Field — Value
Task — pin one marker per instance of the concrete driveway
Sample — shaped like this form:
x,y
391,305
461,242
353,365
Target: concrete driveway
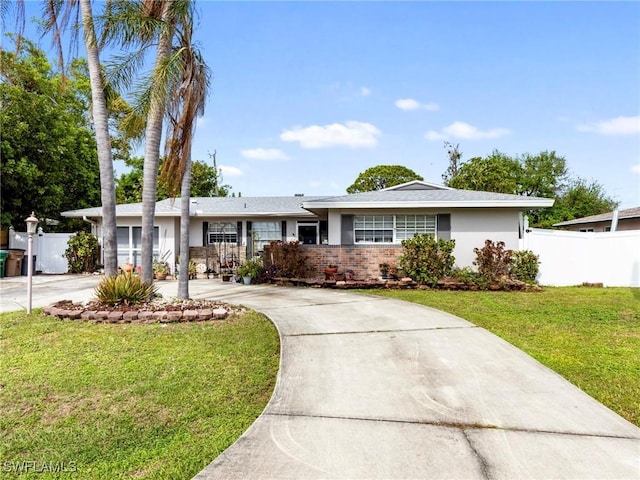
x,y
373,387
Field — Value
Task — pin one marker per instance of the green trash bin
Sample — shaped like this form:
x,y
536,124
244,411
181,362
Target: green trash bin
x,y
3,261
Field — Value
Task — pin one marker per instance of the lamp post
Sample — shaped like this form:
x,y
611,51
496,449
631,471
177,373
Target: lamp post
x,y
32,223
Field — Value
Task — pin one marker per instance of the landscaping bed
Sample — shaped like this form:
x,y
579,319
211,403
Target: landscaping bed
x,y
148,312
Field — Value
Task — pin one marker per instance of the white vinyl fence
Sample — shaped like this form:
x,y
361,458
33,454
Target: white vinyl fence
x,y
572,258
48,247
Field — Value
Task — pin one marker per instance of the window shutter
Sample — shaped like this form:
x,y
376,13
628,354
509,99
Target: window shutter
x,y
347,230
205,232
239,233
284,230
444,226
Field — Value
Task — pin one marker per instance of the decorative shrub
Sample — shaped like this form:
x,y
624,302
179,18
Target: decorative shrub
x,y
82,253
124,289
250,268
426,259
266,274
468,276
493,260
524,266
288,258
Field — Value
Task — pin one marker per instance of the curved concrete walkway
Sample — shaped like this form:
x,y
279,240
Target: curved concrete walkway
x,y
372,387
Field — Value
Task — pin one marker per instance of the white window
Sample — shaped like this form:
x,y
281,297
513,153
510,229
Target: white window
x,y
373,228
407,226
264,233
129,241
391,228
222,233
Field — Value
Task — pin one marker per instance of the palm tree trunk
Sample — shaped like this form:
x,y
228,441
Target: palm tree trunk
x,y
103,141
185,220
153,135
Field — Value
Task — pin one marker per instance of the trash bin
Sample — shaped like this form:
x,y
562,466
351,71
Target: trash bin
x,y
3,262
24,271
13,267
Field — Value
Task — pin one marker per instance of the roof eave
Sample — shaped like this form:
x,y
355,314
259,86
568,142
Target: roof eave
x,y
543,203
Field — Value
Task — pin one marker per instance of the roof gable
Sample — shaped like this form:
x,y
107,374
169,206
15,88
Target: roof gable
x,y
416,185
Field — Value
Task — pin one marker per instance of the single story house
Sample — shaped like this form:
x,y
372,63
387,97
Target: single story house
x,y
356,231
628,219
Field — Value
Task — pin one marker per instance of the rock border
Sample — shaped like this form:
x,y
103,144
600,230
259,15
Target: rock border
x,y
66,309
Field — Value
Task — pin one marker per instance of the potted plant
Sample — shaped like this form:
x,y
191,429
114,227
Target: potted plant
x,y
384,270
330,271
249,270
160,269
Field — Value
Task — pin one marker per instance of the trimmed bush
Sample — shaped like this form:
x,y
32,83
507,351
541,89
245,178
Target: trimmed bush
x,y
493,260
82,253
287,258
124,289
524,266
426,259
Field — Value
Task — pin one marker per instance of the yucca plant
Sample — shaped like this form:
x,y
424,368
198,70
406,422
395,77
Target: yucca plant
x,y
124,289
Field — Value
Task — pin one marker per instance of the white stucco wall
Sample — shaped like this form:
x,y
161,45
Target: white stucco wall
x,y
472,226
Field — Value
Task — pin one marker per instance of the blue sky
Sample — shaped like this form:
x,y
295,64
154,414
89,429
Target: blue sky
x,y
306,95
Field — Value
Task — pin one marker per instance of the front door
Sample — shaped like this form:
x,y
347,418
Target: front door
x,y
308,233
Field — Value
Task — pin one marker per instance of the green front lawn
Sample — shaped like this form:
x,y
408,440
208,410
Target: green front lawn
x,y
590,336
129,401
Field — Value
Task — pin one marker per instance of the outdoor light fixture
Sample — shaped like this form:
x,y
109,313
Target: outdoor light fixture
x,y
32,223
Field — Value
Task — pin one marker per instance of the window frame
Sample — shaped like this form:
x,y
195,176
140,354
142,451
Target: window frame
x,y
393,228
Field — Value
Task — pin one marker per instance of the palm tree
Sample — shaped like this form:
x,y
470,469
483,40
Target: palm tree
x,y
176,90
188,84
57,15
103,141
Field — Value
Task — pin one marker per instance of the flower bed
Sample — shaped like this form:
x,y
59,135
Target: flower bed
x,y
151,312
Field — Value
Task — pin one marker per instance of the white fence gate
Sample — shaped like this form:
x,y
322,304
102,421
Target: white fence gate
x,y
48,247
572,258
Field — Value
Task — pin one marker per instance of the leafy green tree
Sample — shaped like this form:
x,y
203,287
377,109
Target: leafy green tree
x,y
495,173
579,199
382,176
205,182
542,175
48,151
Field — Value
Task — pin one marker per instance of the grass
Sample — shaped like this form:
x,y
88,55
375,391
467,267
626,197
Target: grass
x,y
130,401
590,336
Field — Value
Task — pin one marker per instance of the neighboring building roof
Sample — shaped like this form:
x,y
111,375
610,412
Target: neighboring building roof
x,y
603,217
427,198
211,207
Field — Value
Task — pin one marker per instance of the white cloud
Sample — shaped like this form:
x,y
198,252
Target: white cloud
x,y
411,104
230,171
407,104
350,134
365,91
465,131
614,126
264,154
433,135
636,168
201,121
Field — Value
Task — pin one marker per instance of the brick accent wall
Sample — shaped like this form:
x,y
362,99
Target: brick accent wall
x,y
364,260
